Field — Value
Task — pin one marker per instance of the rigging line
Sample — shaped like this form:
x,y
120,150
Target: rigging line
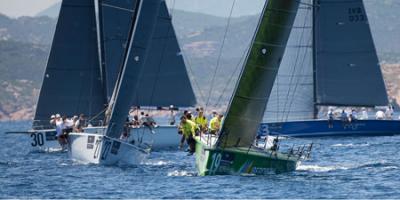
x,y
299,79
188,64
220,54
294,68
160,62
293,80
297,84
117,7
232,75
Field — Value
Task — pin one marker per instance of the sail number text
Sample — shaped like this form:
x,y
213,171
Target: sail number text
x,y
356,15
37,139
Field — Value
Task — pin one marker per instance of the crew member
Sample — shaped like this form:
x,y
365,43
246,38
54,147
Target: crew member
x,y
330,118
188,130
201,121
215,124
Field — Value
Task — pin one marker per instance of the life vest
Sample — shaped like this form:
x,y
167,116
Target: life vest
x,y
215,124
188,128
201,121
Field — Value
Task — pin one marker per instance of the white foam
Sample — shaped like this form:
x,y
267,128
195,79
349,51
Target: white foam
x,y
180,173
157,163
316,168
350,145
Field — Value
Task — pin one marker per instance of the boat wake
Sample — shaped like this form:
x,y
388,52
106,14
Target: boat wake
x,y
157,163
381,164
316,168
351,145
49,150
181,173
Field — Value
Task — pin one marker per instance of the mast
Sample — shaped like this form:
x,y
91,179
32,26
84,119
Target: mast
x,y
100,47
247,106
314,55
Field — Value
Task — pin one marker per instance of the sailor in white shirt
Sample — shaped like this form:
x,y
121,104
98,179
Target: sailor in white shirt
x,y
364,114
380,115
59,125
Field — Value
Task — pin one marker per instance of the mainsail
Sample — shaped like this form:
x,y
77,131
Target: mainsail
x,y
72,81
248,104
346,64
140,35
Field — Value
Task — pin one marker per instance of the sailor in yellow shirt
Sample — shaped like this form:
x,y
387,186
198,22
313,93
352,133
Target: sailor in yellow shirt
x,y
201,121
215,124
188,131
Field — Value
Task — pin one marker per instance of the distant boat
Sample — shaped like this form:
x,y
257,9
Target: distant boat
x,y
234,152
330,61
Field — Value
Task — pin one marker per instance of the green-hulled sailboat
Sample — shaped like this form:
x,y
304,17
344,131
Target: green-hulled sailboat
x,y
233,151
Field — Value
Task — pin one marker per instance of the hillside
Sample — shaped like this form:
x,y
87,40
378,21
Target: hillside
x,y
25,44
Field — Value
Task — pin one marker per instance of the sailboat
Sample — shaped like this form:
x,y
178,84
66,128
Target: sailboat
x,y
164,81
335,64
108,149
233,151
70,85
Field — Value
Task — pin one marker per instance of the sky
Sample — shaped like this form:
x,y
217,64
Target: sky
x,y
17,8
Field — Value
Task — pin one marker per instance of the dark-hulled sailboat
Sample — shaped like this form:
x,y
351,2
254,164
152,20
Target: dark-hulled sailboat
x,y
234,151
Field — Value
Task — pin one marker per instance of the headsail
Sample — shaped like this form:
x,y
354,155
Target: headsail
x,y
248,104
346,64
72,82
165,80
140,35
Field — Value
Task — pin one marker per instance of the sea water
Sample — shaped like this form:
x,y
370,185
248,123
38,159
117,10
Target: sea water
x,y
340,167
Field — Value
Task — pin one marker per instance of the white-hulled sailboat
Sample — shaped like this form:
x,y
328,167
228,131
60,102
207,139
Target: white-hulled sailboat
x,y
108,149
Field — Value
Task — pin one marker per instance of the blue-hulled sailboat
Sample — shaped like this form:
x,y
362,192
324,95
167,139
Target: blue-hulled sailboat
x,y
330,61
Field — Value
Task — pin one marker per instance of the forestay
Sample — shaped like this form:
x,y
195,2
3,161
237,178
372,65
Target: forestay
x,y
347,68
140,35
248,103
72,81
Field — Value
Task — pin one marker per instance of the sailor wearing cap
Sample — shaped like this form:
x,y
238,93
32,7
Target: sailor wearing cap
x,y
53,120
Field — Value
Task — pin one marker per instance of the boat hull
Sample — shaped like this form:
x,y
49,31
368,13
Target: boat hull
x,y
318,128
239,161
46,141
165,137
98,149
